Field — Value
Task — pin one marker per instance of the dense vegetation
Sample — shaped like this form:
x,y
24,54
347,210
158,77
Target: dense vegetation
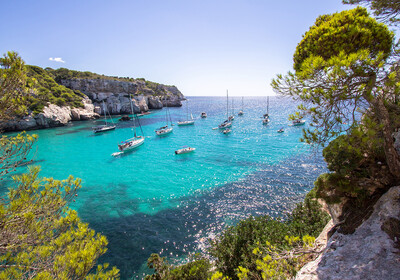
x,y
254,247
48,90
40,237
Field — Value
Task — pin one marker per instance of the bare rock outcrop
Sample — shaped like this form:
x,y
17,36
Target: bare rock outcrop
x,y
116,94
371,252
52,116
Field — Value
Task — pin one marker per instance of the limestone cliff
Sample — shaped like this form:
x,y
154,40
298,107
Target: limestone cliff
x,y
371,252
52,116
115,94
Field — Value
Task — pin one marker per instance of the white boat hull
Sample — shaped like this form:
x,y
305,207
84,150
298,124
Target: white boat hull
x,y
185,123
164,131
185,150
131,144
103,128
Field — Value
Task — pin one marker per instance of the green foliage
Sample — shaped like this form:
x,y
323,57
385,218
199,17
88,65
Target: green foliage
x,y
348,32
352,158
235,247
13,90
386,10
41,238
48,90
14,151
196,269
64,73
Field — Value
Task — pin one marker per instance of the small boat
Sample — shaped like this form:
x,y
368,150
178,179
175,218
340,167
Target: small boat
x,y
231,118
227,131
280,130
165,129
225,124
240,113
297,122
105,126
266,115
134,142
187,122
203,115
185,150
131,143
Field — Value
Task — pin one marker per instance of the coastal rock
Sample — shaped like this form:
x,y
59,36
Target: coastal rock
x,y
371,252
396,136
116,94
172,102
53,115
154,103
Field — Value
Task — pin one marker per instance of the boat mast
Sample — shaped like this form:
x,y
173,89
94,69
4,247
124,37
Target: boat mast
x,y
134,126
268,105
233,108
227,105
242,103
105,117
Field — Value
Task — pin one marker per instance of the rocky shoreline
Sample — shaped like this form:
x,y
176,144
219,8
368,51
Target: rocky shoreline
x,y
115,95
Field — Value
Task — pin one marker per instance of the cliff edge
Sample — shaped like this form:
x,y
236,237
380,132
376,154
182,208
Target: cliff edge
x,y
371,252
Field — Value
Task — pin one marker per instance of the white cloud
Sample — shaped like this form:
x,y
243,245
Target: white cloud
x,y
57,59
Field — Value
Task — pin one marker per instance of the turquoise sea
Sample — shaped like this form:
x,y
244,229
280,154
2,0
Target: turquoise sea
x,y
153,201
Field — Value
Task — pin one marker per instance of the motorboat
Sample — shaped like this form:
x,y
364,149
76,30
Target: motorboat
x,y
297,122
185,150
203,115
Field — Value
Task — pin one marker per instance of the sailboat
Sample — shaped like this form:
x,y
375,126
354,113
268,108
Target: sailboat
x,y
165,129
241,111
105,126
232,117
187,122
227,123
134,142
266,116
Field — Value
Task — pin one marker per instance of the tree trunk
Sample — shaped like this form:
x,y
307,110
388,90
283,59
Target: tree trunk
x,y
392,157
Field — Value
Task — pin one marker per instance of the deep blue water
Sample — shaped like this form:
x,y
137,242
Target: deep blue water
x,y
151,200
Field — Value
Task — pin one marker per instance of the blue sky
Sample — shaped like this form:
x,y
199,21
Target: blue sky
x,y
203,47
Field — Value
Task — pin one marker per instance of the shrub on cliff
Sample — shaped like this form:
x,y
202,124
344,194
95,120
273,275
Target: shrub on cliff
x,y
196,269
235,246
47,90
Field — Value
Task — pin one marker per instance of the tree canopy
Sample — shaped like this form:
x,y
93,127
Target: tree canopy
x,y
341,71
386,10
40,236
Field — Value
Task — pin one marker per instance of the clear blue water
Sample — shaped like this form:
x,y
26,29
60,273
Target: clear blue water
x,y
151,200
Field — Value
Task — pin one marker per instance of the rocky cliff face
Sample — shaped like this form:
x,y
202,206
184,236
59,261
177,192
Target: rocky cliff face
x,y
115,94
52,116
371,252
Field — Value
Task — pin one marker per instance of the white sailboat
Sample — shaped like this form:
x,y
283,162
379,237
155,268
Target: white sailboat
x,y
187,122
232,117
134,142
165,129
227,123
241,111
105,126
266,116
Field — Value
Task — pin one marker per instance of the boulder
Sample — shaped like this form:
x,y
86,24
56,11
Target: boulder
x,y
154,102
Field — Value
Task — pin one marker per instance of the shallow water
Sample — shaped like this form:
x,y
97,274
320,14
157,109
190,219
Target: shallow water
x,y
151,200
